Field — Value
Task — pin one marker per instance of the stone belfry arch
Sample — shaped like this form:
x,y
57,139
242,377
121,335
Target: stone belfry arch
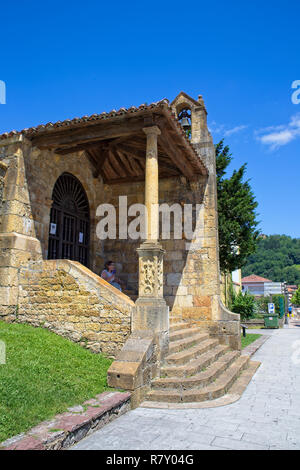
x,y
199,130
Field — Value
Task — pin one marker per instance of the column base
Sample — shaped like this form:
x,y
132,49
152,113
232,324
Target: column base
x,y
153,314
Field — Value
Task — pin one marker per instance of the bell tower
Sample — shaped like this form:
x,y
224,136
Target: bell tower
x,y
192,115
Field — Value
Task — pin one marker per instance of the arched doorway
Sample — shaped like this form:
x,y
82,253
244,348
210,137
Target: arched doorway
x,y
69,231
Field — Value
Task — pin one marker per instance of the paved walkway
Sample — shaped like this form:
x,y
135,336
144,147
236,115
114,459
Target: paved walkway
x,y
266,417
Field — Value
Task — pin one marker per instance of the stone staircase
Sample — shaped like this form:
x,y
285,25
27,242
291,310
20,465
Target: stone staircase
x,y
197,368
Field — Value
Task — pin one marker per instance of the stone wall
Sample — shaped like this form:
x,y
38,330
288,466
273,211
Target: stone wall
x,y
25,208
123,252
3,170
177,273
70,300
18,243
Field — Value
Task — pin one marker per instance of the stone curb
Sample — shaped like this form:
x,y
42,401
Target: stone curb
x,y
70,427
253,347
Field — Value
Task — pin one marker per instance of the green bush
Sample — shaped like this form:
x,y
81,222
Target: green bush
x,y
296,297
262,303
244,304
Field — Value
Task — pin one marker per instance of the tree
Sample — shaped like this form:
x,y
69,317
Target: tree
x,y
237,216
296,297
277,257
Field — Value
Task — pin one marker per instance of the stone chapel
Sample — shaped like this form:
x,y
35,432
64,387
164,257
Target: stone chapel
x,y
169,325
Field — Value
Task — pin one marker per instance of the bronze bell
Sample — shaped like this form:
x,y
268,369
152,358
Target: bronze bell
x,y
185,123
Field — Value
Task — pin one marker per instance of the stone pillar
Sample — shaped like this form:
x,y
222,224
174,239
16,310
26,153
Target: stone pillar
x,y
151,183
18,243
151,309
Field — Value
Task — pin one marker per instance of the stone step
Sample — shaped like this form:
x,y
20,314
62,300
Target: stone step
x,y
179,345
213,352
245,377
210,392
178,326
231,396
183,357
199,380
184,333
166,396
222,385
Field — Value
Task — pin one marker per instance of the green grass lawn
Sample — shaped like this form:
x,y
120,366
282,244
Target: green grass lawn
x,y
44,374
249,339
256,327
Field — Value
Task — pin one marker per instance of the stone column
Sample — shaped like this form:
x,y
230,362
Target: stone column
x,y
151,309
151,183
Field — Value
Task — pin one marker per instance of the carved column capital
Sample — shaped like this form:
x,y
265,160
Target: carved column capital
x,y
153,130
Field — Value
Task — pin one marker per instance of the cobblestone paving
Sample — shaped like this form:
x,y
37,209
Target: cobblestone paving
x,y
266,417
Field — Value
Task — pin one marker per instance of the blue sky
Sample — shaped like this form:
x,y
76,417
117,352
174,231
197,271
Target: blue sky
x,y
65,59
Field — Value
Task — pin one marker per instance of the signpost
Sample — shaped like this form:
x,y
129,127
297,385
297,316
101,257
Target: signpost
x,y
271,308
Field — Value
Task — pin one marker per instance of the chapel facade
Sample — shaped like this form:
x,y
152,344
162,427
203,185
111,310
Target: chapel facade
x,y
56,181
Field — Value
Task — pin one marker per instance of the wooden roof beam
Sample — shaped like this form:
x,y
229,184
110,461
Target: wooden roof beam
x,y
91,145
117,163
125,163
141,156
96,161
84,135
175,156
76,148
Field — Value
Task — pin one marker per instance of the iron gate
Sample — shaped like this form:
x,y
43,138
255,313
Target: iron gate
x,y
69,230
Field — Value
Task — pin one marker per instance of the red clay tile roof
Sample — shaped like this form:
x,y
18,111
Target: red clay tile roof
x,y
254,278
94,117
76,122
